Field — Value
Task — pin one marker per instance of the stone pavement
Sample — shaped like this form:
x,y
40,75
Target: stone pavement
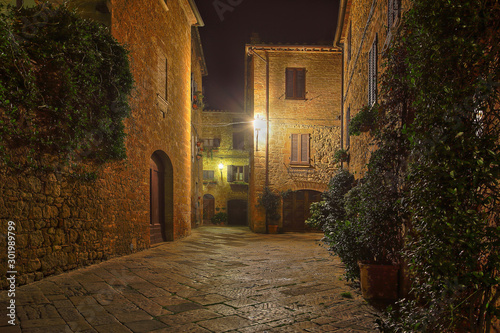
x,y
219,279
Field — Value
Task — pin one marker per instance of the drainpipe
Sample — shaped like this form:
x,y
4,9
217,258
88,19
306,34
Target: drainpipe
x,y
267,118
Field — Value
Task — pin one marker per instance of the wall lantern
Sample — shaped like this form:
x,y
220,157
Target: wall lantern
x,y
258,125
221,166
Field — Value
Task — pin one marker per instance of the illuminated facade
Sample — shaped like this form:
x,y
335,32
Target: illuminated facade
x,y
294,95
225,150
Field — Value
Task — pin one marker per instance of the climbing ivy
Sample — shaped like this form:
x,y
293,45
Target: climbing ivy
x,y
441,98
64,86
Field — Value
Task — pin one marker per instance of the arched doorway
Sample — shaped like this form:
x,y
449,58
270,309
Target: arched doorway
x,y
161,198
296,209
208,208
237,212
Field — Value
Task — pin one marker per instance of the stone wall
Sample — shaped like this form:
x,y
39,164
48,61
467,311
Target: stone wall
x,y
318,115
367,21
62,222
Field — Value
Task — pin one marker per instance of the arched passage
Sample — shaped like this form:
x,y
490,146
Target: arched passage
x,y
161,180
296,209
208,208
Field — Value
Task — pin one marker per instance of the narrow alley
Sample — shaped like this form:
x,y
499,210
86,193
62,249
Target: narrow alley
x,y
219,279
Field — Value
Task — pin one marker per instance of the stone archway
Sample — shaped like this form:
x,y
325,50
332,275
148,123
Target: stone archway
x,y
296,209
161,199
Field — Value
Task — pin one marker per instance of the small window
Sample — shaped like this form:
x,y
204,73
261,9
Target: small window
x,y
237,173
295,83
211,143
300,149
347,121
208,175
372,73
393,11
166,79
238,136
349,41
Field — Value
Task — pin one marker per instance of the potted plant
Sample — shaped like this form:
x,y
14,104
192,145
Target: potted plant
x,y
364,120
340,155
219,218
198,102
271,203
363,228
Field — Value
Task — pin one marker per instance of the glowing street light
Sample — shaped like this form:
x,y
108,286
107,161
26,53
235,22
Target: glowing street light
x,y
258,124
221,167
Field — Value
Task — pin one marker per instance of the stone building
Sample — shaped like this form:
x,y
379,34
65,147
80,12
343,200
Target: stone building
x,y
198,70
364,32
225,150
61,223
294,94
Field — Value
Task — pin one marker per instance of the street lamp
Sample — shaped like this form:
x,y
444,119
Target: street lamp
x,y
221,166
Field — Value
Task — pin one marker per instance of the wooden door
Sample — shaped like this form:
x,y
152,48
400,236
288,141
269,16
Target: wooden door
x,y
237,212
157,200
208,208
296,209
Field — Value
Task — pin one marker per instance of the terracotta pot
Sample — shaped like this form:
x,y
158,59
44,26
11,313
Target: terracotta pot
x,y
272,228
379,282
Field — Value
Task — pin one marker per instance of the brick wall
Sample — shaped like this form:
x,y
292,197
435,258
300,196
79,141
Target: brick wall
x,y
62,223
318,115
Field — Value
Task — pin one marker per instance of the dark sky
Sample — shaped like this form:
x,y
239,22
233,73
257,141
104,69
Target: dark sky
x,y
229,25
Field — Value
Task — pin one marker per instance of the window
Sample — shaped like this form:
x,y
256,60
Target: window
x,y
392,12
295,83
238,136
211,143
349,41
300,149
347,120
208,175
237,173
166,79
372,73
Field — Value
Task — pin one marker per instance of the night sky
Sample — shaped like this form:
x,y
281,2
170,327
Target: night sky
x,y
229,25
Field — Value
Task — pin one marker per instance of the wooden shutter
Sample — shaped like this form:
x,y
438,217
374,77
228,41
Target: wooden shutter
x,y
372,73
295,148
304,148
230,173
289,83
348,120
246,174
300,85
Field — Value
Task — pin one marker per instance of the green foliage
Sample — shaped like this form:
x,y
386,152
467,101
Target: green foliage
x,y
318,216
64,85
365,118
219,218
434,96
340,155
271,203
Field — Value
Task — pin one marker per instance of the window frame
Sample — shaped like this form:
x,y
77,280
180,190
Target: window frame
x,y
295,86
209,172
393,12
300,161
373,72
211,143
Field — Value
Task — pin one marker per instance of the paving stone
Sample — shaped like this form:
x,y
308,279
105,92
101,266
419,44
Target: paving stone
x,y
183,307
144,326
225,324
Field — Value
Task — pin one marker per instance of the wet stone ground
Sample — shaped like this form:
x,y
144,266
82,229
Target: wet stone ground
x,y
220,279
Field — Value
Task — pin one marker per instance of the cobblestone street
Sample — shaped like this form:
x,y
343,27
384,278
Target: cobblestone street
x,y
219,279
